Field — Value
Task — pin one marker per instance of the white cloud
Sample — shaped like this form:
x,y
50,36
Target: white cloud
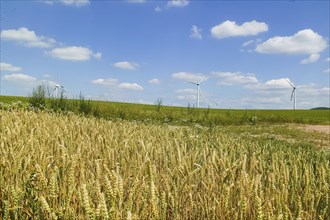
x,y
230,78
172,4
19,78
312,90
311,59
154,81
186,97
187,91
276,93
30,39
77,3
303,42
231,29
177,3
126,65
263,100
282,83
47,76
327,70
196,32
74,53
328,59
49,2
130,86
274,84
9,67
22,34
194,77
158,9
27,38
105,82
246,43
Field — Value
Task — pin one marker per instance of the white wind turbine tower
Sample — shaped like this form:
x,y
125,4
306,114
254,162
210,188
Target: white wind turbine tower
x,y
293,94
198,90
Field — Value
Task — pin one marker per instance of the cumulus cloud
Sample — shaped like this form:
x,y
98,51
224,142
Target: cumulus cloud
x,y
311,59
47,75
262,100
196,32
74,53
19,78
233,78
177,3
187,91
9,67
274,84
27,37
312,90
186,97
30,39
154,81
77,3
231,29
246,43
105,82
158,9
303,42
194,77
276,94
126,65
130,86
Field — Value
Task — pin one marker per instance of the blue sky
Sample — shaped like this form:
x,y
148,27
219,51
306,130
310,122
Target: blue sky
x,y
245,52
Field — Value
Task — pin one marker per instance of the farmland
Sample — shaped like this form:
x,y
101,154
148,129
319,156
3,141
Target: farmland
x,y
182,115
141,163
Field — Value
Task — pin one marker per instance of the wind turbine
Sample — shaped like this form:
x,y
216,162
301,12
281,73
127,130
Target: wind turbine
x,y
198,90
57,87
293,94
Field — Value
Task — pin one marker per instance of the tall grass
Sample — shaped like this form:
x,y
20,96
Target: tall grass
x,y
67,166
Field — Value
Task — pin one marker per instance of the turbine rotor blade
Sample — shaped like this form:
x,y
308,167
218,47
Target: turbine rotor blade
x,y
291,84
293,91
192,82
202,80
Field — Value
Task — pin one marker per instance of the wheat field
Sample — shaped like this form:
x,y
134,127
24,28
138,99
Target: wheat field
x,y
65,166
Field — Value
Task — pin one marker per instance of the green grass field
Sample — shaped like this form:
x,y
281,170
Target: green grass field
x,y
188,115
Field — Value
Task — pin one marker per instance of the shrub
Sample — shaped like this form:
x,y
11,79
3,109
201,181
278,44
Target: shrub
x,y
60,104
38,97
159,104
85,106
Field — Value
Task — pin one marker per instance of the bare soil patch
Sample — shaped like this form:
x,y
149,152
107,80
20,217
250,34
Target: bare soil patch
x,y
319,128
323,140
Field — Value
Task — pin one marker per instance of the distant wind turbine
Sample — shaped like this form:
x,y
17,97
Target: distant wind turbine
x,y
293,94
198,90
56,89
